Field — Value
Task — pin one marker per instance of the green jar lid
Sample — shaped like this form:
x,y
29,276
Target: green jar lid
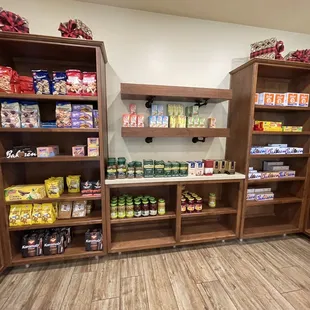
x,y
113,204
161,200
121,204
111,160
138,163
131,164
212,194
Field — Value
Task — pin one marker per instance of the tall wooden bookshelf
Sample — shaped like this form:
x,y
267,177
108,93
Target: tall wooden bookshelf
x,y
286,213
24,53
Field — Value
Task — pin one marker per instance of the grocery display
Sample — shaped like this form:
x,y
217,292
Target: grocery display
x,y
275,126
259,194
272,170
274,148
282,99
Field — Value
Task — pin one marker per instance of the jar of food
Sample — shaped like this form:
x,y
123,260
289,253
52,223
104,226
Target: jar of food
x,y
131,170
145,208
129,209
212,200
121,168
138,169
153,207
167,169
137,208
183,205
113,210
111,169
161,207
190,205
121,211
198,204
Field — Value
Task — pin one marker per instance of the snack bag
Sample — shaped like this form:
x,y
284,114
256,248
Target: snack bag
x,y
65,210
8,80
63,114
41,82
89,84
48,213
10,114
79,208
73,183
74,82
37,214
26,85
25,214
30,114
59,84
14,216
52,188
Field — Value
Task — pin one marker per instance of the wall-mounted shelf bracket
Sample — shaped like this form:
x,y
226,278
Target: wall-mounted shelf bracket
x,y
196,139
149,140
149,102
201,102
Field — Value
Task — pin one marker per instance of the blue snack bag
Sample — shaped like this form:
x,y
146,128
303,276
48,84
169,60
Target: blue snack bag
x,y
59,84
41,82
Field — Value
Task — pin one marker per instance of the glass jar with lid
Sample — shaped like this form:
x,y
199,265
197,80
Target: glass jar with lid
x,y
153,207
161,207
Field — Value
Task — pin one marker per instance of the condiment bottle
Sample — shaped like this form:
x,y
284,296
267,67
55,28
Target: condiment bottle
x,y
131,170
113,210
190,205
138,169
121,210
153,207
121,168
198,204
137,208
212,200
129,209
183,205
161,207
145,208
111,169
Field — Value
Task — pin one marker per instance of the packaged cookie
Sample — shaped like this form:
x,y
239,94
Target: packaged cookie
x,y
10,114
5,80
79,208
87,188
74,82
93,240
32,245
96,118
59,83
82,107
53,243
36,217
73,183
30,115
64,210
48,213
26,84
52,187
26,214
14,216
41,82
96,188
63,115
89,84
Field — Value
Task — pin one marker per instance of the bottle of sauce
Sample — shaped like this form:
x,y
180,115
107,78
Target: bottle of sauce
x,y
137,208
145,208
183,205
138,170
113,210
153,207
129,209
111,169
121,213
198,204
121,168
190,205
161,207
212,200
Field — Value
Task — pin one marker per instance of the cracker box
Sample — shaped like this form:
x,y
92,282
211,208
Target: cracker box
x,y
78,150
45,151
292,99
211,122
250,196
81,116
132,108
264,196
92,142
262,190
82,124
93,151
266,99
256,98
250,190
280,100
126,120
257,150
191,168
190,122
254,175
181,121
296,128
287,128
82,107
303,100
133,120
172,121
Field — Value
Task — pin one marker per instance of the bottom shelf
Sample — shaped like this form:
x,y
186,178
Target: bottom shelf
x,y
75,250
264,226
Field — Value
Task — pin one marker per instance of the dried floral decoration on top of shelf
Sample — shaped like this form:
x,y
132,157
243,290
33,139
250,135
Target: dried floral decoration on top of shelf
x,y
75,28
298,55
267,49
11,22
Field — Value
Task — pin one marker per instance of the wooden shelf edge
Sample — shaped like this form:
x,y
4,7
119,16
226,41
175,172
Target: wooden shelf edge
x,y
271,233
282,133
167,216
60,158
279,156
279,108
49,130
48,97
283,200
257,181
210,211
208,237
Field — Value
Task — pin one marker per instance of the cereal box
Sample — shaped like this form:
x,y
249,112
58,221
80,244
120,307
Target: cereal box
x,y
303,100
160,110
266,99
133,120
159,121
181,121
132,108
199,167
45,151
191,168
126,120
280,100
140,120
202,122
296,128
165,122
152,121
256,99
154,110
172,121
292,99
170,109
287,128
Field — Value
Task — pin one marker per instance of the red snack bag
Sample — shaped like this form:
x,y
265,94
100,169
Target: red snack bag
x,y
74,82
89,84
26,85
6,79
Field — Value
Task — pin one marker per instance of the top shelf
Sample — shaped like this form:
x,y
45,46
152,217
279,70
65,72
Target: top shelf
x,y
48,97
273,108
173,93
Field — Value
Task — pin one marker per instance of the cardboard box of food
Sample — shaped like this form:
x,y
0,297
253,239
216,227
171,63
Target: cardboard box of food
x,y
25,192
266,98
264,196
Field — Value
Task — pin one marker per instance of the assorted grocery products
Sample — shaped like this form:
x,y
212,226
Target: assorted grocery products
x,y
282,99
26,114
192,202
272,170
70,82
92,148
149,168
129,206
275,148
275,126
259,194
93,240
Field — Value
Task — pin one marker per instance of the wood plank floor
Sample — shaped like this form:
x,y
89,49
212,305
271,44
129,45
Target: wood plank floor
x,y
258,274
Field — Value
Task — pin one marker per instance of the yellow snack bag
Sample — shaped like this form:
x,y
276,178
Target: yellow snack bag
x,y
14,217
48,213
52,188
37,214
25,214
73,183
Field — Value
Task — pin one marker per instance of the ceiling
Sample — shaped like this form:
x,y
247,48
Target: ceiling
x,y
275,14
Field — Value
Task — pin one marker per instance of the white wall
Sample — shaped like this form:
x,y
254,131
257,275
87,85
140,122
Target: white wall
x,y
154,48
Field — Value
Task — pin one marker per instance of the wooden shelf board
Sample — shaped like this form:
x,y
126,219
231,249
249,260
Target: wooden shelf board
x,y
93,218
48,97
139,240
175,132
281,133
267,226
169,215
59,158
64,197
49,130
278,200
206,211
279,108
307,232
257,181
76,250
279,156
173,93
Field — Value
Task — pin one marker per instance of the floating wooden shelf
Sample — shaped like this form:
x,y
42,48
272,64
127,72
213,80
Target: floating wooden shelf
x,y
48,97
60,158
264,156
268,108
168,216
279,200
175,132
257,181
64,197
49,130
206,211
173,93
281,133
94,218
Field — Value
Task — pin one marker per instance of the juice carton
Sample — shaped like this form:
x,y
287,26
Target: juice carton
x,y
292,99
303,100
266,99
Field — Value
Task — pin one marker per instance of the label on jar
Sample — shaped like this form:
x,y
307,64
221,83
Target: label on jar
x,y
121,214
190,208
198,206
183,208
129,213
113,215
137,213
145,212
153,212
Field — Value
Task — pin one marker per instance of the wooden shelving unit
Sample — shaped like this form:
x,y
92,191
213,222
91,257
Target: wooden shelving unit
x,y
24,53
174,228
286,213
